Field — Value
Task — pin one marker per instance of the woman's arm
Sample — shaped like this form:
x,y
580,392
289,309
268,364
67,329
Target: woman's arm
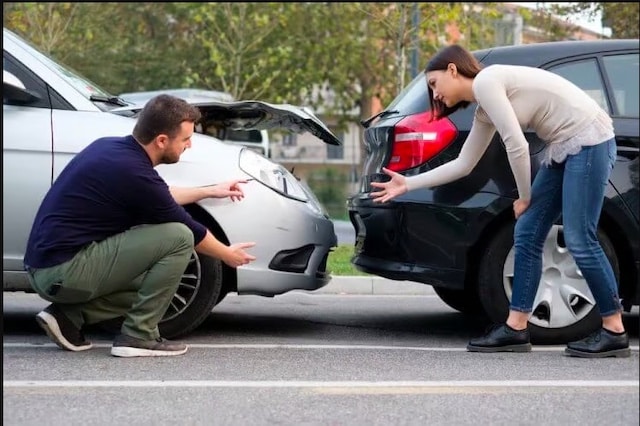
x,y
472,150
474,147
491,95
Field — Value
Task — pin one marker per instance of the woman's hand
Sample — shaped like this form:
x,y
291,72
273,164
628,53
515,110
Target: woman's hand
x,y
519,206
391,189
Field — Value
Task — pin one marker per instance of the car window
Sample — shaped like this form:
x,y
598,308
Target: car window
x,y
622,71
413,99
29,79
585,75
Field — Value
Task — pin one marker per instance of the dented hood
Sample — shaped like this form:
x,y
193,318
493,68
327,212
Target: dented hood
x,y
258,115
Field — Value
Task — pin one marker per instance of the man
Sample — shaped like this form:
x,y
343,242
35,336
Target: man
x,y
111,239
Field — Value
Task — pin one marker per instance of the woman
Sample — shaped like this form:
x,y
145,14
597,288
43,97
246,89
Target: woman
x,y
580,154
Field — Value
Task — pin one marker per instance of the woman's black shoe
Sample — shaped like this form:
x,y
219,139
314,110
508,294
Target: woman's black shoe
x,y
502,338
600,344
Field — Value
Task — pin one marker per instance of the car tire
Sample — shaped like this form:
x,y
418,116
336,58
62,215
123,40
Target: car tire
x,y
545,326
199,291
465,301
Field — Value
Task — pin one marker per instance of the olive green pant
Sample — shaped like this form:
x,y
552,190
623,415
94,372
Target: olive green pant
x,y
134,274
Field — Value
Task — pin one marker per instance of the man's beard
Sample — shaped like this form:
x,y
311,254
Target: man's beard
x,y
168,159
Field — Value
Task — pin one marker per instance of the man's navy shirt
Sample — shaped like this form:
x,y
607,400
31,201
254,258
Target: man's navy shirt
x,y
107,188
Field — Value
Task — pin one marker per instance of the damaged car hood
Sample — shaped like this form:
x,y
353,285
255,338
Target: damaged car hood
x,y
258,115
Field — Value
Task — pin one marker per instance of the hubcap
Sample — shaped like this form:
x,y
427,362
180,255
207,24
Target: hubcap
x,y
563,296
187,289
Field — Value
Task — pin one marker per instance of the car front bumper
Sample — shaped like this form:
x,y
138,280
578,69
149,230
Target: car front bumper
x,y
292,240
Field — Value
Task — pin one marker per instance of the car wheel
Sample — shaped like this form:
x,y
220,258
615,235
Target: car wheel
x,y
199,291
564,308
465,301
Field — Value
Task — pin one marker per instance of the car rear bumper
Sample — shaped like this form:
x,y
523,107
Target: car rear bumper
x,y
427,243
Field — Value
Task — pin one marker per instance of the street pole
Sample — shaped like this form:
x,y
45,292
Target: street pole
x,y
415,42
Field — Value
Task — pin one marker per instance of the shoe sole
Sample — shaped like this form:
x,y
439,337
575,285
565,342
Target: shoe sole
x,y
50,325
616,353
525,347
129,352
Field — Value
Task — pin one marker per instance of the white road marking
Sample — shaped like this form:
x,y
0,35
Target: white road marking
x,y
320,384
300,346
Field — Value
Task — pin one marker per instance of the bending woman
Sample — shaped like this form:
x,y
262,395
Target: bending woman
x,y
579,157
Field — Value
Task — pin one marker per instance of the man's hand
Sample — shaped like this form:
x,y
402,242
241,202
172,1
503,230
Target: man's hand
x,y
519,206
229,189
236,256
389,190
190,195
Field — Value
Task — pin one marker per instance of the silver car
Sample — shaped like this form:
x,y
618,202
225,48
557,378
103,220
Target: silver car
x,y
50,113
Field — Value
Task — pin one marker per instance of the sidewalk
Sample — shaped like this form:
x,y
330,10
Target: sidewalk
x,y
342,284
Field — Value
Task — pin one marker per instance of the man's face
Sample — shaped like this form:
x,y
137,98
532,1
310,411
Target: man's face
x,y
177,145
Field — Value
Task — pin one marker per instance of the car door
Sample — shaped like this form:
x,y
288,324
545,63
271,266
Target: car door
x,y
622,75
27,161
587,74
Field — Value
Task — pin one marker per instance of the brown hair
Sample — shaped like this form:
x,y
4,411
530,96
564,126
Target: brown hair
x,y
466,64
163,114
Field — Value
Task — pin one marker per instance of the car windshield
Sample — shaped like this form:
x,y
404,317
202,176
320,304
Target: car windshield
x,y
86,87
413,98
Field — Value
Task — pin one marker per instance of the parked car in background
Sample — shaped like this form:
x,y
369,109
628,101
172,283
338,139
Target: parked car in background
x,y
459,237
256,140
50,113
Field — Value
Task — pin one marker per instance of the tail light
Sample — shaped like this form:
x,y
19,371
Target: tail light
x,y
416,140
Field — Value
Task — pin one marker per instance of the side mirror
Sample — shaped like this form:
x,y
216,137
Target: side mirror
x,y
14,91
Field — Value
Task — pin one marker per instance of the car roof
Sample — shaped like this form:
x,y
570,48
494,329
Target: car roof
x,y
536,54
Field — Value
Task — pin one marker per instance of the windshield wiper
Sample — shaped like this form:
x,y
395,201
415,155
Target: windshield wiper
x,y
367,122
109,99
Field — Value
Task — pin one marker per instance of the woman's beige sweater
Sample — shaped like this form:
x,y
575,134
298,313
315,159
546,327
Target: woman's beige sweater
x,y
511,98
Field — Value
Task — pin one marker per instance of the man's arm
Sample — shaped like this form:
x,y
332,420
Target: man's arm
x,y
188,195
233,255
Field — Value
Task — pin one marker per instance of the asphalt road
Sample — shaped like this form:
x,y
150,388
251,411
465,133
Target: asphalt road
x,y
312,359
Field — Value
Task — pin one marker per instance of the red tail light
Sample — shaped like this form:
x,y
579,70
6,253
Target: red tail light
x,y
416,140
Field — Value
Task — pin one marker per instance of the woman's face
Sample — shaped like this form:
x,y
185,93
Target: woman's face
x,y
444,85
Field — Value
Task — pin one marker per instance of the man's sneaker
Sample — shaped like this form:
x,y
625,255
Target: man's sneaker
x,y
600,344
127,346
61,330
501,338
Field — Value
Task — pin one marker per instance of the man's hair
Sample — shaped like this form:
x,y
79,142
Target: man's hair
x,y
467,65
163,114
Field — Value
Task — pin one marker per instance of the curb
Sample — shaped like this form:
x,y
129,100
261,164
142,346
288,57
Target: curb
x,y
373,285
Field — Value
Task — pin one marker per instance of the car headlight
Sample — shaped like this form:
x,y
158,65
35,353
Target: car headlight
x,y
278,178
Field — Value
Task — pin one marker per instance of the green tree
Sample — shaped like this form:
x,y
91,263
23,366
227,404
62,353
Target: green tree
x,y
278,52
120,46
622,18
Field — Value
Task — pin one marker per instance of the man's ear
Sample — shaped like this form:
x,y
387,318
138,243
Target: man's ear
x,y
161,141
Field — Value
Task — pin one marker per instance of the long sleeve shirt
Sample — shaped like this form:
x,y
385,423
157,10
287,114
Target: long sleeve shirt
x,y
106,189
511,98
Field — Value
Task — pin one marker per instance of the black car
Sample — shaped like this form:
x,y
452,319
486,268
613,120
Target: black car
x,y
458,237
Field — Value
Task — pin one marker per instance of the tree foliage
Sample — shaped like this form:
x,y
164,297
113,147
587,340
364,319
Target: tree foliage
x,y
331,56
621,18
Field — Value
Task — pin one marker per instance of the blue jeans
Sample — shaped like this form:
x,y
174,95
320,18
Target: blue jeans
x,y
575,189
